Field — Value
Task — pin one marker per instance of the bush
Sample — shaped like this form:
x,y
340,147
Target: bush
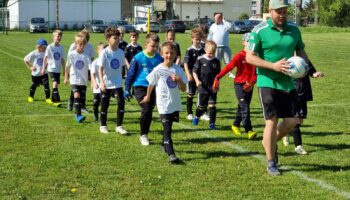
x,y
243,16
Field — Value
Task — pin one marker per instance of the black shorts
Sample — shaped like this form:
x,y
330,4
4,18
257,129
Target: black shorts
x,y
40,80
191,88
277,103
174,117
140,92
301,109
206,98
78,88
55,77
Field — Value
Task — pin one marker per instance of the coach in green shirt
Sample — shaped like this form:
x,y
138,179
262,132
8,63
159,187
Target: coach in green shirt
x,y
271,44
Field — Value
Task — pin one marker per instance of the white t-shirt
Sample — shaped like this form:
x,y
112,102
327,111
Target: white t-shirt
x,y
55,54
94,72
78,68
36,58
111,62
88,49
167,91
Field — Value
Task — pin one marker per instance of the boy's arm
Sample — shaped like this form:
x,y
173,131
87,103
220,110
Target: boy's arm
x,y
66,75
127,64
100,76
63,63
28,63
131,75
178,60
44,65
229,67
195,73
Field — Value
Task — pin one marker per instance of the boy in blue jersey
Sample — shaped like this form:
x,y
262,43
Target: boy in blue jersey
x,y
140,66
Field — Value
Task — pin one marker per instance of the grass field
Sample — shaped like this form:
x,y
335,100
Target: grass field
x,y
45,154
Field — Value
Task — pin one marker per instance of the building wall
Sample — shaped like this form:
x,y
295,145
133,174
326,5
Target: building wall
x,y
256,6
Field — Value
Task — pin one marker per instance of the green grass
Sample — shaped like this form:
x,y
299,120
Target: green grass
x,y
44,153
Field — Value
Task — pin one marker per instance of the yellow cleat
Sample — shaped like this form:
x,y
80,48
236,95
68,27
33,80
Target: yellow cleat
x,y
30,99
251,134
57,104
236,131
48,101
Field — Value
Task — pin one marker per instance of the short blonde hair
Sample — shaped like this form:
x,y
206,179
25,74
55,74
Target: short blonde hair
x,y
57,32
169,45
121,30
210,45
79,39
85,34
196,33
152,37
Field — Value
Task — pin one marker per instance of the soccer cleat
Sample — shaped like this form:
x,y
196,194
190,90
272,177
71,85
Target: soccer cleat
x,y
251,134
300,150
121,130
189,117
195,121
70,105
205,117
285,140
84,110
173,159
49,101
213,127
57,104
144,140
236,131
272,168
79,118
104,130
30,99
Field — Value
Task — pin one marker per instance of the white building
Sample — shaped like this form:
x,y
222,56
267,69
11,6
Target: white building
x,y
256,7
68,12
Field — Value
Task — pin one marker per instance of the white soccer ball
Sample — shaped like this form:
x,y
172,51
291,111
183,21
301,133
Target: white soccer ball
x,y
298,67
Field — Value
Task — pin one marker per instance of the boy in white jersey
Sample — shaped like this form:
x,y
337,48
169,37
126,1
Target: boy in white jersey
x,y
34,61
95,81
110,63
88,51
168,79
53,61
77,72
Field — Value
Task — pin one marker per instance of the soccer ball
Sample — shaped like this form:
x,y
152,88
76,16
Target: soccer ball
x,y
297,68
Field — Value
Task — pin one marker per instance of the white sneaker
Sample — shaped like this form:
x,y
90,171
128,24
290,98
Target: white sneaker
x,y
144,140
205,117
231,75
121,130
84,110
300,150
189,117
285,140
104,130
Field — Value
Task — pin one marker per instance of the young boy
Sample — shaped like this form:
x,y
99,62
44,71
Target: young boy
x,y
95,81
34,61
77,72
243,84
88,51
110,76
170,37
140,66
204,71
304,91
168,78
132,49
54,58
122,45
192,53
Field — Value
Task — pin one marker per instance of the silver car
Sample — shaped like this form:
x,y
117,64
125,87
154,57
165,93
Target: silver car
x,y
37,24
240,26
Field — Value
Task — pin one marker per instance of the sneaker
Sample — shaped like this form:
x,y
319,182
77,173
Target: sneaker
x,y
57,104
213,127
173,159
189,117
285,140
104,130
84,110
70,105
251,135
205,117
272,168
300,150
30,99
195,121
121,130
231,75
49,101
79,118
144,140
236,131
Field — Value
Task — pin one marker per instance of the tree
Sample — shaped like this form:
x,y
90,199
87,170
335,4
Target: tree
x,y
243,16
334,12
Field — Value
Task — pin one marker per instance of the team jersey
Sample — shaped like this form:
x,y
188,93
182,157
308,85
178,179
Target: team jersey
x,y
55,55
245,71
167,91
141,65
111,62
94,73
206,70
88,49
36,58
78,64
192,53
122,45
131,50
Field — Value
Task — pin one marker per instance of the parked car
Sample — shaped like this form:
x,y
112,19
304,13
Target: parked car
x,y
176,25
239,26
95,26
128,27
37,24
252,22
141,26
204,21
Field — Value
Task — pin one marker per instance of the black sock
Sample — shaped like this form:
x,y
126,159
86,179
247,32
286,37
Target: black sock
x,y
296,135
77,106
200,111
189,105
212,115
32,90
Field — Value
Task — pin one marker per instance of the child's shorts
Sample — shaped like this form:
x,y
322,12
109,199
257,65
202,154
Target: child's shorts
x,y
40,80
55,77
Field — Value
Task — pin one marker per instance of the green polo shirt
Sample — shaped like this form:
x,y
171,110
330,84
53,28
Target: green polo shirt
x,y
272,45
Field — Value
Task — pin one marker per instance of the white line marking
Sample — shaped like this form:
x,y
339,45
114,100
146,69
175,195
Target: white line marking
x,y
4,52
329,105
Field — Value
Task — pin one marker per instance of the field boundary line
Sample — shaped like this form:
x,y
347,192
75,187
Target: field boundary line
x,y
4,52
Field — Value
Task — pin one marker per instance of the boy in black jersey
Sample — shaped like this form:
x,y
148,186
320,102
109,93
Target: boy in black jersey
x,y
132,49
204,72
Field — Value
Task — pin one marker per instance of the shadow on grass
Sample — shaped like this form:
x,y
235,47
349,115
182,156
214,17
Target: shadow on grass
x,y
321,134
217,154
317,167
341,146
